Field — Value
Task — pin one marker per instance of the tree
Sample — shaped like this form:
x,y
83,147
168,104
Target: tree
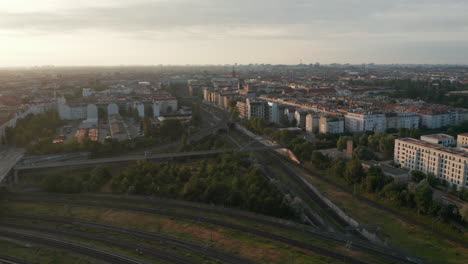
x,y
354,172
432,180
342,142
464,212
386,146
172,129
320,160
403,132
234,114
423,198
363,139
337,168
417,176
375,179
414,133
363,153
232,103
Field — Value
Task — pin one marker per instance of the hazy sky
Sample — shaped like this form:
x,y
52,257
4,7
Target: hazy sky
x,y
109,32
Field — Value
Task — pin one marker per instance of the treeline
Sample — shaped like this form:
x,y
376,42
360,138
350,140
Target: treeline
x,y
76,181
229,180
34,129
171,129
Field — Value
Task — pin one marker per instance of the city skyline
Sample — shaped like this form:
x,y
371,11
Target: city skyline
x,y
225,32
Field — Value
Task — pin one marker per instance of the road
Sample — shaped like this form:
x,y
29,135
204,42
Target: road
x,y
8,159
135,158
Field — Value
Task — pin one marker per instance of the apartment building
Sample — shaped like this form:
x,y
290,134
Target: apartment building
x,y
440,117
331,124
300,117
256,109
402,120
445,163
312,122
242,108
360,122
273,112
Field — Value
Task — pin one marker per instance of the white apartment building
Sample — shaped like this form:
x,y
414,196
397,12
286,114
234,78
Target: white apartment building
x,y
156,109
312,122
273,112
357,122
331,125
112,109
440,118
140,109
433,121
445,163
439,139
73,112
300,117
87,92
402,120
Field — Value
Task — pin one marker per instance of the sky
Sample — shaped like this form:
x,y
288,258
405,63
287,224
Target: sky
x,y
152,32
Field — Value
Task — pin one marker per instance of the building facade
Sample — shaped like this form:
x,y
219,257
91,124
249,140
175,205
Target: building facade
x,y
462,140
331,125
357,122
445,163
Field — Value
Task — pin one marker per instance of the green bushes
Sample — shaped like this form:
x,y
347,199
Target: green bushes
x,y
230,180
76,181
34,129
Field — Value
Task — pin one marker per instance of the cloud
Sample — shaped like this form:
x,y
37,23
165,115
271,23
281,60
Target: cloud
x,y
365,29
333,16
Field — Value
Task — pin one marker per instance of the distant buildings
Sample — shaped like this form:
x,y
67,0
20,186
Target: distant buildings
x,y
402,120
312,122
273,112
360,122
87,92
441,117
331,125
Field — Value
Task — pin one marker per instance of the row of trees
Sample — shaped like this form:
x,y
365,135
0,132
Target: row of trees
x,y
34,129
76,181
368,143
230,180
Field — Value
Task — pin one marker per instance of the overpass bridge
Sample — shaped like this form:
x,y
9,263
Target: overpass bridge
x,y
9,157
135,158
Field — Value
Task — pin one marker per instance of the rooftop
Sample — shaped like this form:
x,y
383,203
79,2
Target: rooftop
x,y
438,136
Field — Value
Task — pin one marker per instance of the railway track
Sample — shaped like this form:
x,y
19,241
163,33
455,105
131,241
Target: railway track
x,y
300,244
256,218
157,253
12,260
192,247
92,251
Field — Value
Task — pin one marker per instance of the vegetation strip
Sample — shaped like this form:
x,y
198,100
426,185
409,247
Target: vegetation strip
x,y
91,251
226,258
292,242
